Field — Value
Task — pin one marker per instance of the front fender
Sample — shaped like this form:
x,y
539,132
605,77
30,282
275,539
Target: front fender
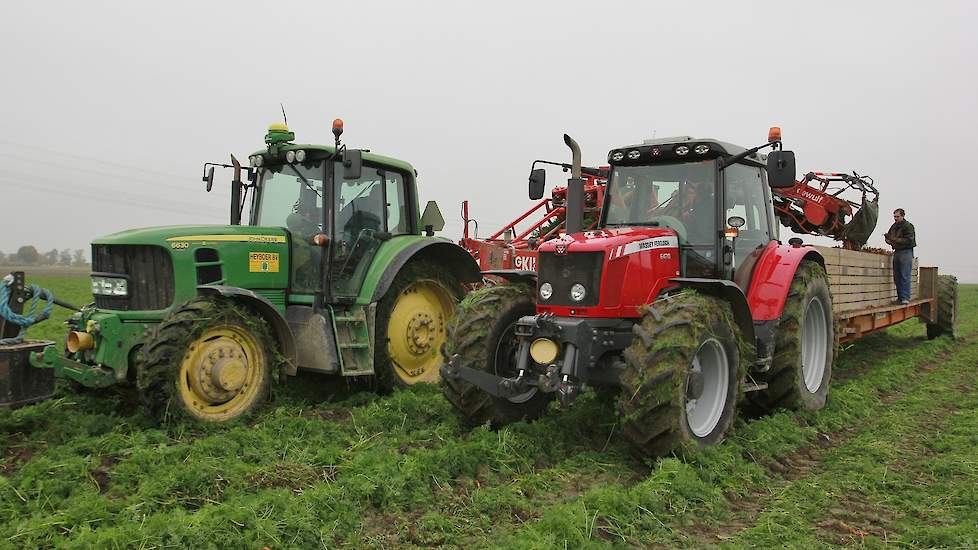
x,y
772,278
280,327
729,292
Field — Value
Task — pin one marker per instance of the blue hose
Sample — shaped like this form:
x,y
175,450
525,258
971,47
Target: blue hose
x,y
24,321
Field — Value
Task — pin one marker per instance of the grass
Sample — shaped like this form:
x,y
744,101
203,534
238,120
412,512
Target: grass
x,y
890,460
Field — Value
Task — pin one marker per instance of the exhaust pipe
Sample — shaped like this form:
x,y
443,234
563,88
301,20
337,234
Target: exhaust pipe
x,y
79,341
575,190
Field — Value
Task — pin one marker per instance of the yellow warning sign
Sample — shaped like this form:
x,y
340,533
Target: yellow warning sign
x,y
263,262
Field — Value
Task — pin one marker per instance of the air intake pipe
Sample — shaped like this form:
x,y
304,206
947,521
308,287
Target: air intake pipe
x,y
575,189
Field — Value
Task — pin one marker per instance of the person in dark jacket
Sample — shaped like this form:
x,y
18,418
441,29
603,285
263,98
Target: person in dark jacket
x,y
902,238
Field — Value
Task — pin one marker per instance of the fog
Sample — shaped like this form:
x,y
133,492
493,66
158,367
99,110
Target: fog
x,y
109,110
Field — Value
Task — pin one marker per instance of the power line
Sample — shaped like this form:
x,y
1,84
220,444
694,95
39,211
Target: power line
x,y
75,168
61,191
90,159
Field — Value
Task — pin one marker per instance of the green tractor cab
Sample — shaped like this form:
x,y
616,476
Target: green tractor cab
x,y
335,271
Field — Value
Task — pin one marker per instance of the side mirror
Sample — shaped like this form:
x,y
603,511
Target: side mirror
x,y
352,164
209,178
431,219
781,169
538,182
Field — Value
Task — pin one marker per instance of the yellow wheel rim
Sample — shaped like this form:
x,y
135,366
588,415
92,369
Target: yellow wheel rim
x,y
416,331
221,374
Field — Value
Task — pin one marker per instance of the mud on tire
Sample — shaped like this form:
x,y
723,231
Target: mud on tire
x,y
482,335
801,369
658,388
947,308
167,347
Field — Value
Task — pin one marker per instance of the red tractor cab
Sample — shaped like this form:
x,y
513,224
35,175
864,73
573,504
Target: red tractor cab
x,y
681,296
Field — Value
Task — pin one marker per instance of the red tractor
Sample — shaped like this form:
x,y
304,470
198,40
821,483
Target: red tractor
x,y
681,296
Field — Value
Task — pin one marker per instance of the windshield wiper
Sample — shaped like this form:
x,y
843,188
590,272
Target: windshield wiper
x,y
305,181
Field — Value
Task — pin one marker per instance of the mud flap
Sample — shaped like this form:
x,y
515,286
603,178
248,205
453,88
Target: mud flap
x,y
20,383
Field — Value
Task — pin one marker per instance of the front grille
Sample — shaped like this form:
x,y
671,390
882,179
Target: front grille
x,y
150,272
564,271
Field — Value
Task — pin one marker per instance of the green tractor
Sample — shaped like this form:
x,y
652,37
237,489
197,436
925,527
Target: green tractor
x,y
335,272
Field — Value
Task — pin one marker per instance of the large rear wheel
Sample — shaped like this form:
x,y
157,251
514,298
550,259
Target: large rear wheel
x,y
483,336
805,347
682,375
412,320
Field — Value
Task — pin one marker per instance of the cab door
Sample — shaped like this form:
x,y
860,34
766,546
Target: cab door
x,y
746,195
368,211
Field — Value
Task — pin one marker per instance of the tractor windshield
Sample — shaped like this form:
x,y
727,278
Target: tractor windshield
x,y
679,196
292,197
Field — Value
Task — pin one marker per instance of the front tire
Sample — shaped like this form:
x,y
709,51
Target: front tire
x,y
208,360
805,347
682,376
483,336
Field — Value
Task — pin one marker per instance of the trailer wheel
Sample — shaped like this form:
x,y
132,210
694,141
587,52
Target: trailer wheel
x,y
947,308
207,360
483,336
804,349
682,376
412,320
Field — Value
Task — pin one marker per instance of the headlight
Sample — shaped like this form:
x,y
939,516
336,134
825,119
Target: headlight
x,y
546,291
300,156
617,155
682,150
702,149
110,286
578,292
290,157
634,154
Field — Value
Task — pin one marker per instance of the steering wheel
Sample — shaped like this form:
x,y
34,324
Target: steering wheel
x,y
672,223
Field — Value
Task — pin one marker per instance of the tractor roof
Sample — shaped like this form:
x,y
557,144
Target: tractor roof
x,y
675,149
367,156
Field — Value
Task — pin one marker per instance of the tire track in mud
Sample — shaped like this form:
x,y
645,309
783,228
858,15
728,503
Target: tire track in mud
x,y
808,461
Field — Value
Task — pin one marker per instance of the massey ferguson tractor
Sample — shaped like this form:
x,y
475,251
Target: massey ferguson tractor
x,y
683,297
335,271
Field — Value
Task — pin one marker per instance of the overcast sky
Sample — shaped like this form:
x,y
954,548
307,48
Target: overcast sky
x,y
109,109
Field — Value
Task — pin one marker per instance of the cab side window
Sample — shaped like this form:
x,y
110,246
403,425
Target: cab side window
x,y
744,196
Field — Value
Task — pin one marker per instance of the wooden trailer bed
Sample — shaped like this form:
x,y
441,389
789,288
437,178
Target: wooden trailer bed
x,y
863,292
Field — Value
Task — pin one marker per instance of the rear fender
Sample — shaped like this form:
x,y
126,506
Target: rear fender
x,y
728,292
772,278
280,327
445,253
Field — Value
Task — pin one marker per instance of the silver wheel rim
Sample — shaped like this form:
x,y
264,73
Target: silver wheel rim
x,y
814,339
703,413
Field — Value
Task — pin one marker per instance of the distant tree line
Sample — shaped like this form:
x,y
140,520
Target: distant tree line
x,y
28,255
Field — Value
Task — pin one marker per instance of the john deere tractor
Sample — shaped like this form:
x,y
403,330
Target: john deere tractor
x,y
334,271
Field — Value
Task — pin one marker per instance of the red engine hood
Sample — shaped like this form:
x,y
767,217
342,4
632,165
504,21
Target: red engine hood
x,y
614,240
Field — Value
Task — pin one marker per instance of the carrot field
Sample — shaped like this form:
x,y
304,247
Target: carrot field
x,y
892,460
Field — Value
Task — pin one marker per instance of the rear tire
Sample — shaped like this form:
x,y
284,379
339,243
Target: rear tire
x,y
482,335
805,347
412,319
947,308
682,376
